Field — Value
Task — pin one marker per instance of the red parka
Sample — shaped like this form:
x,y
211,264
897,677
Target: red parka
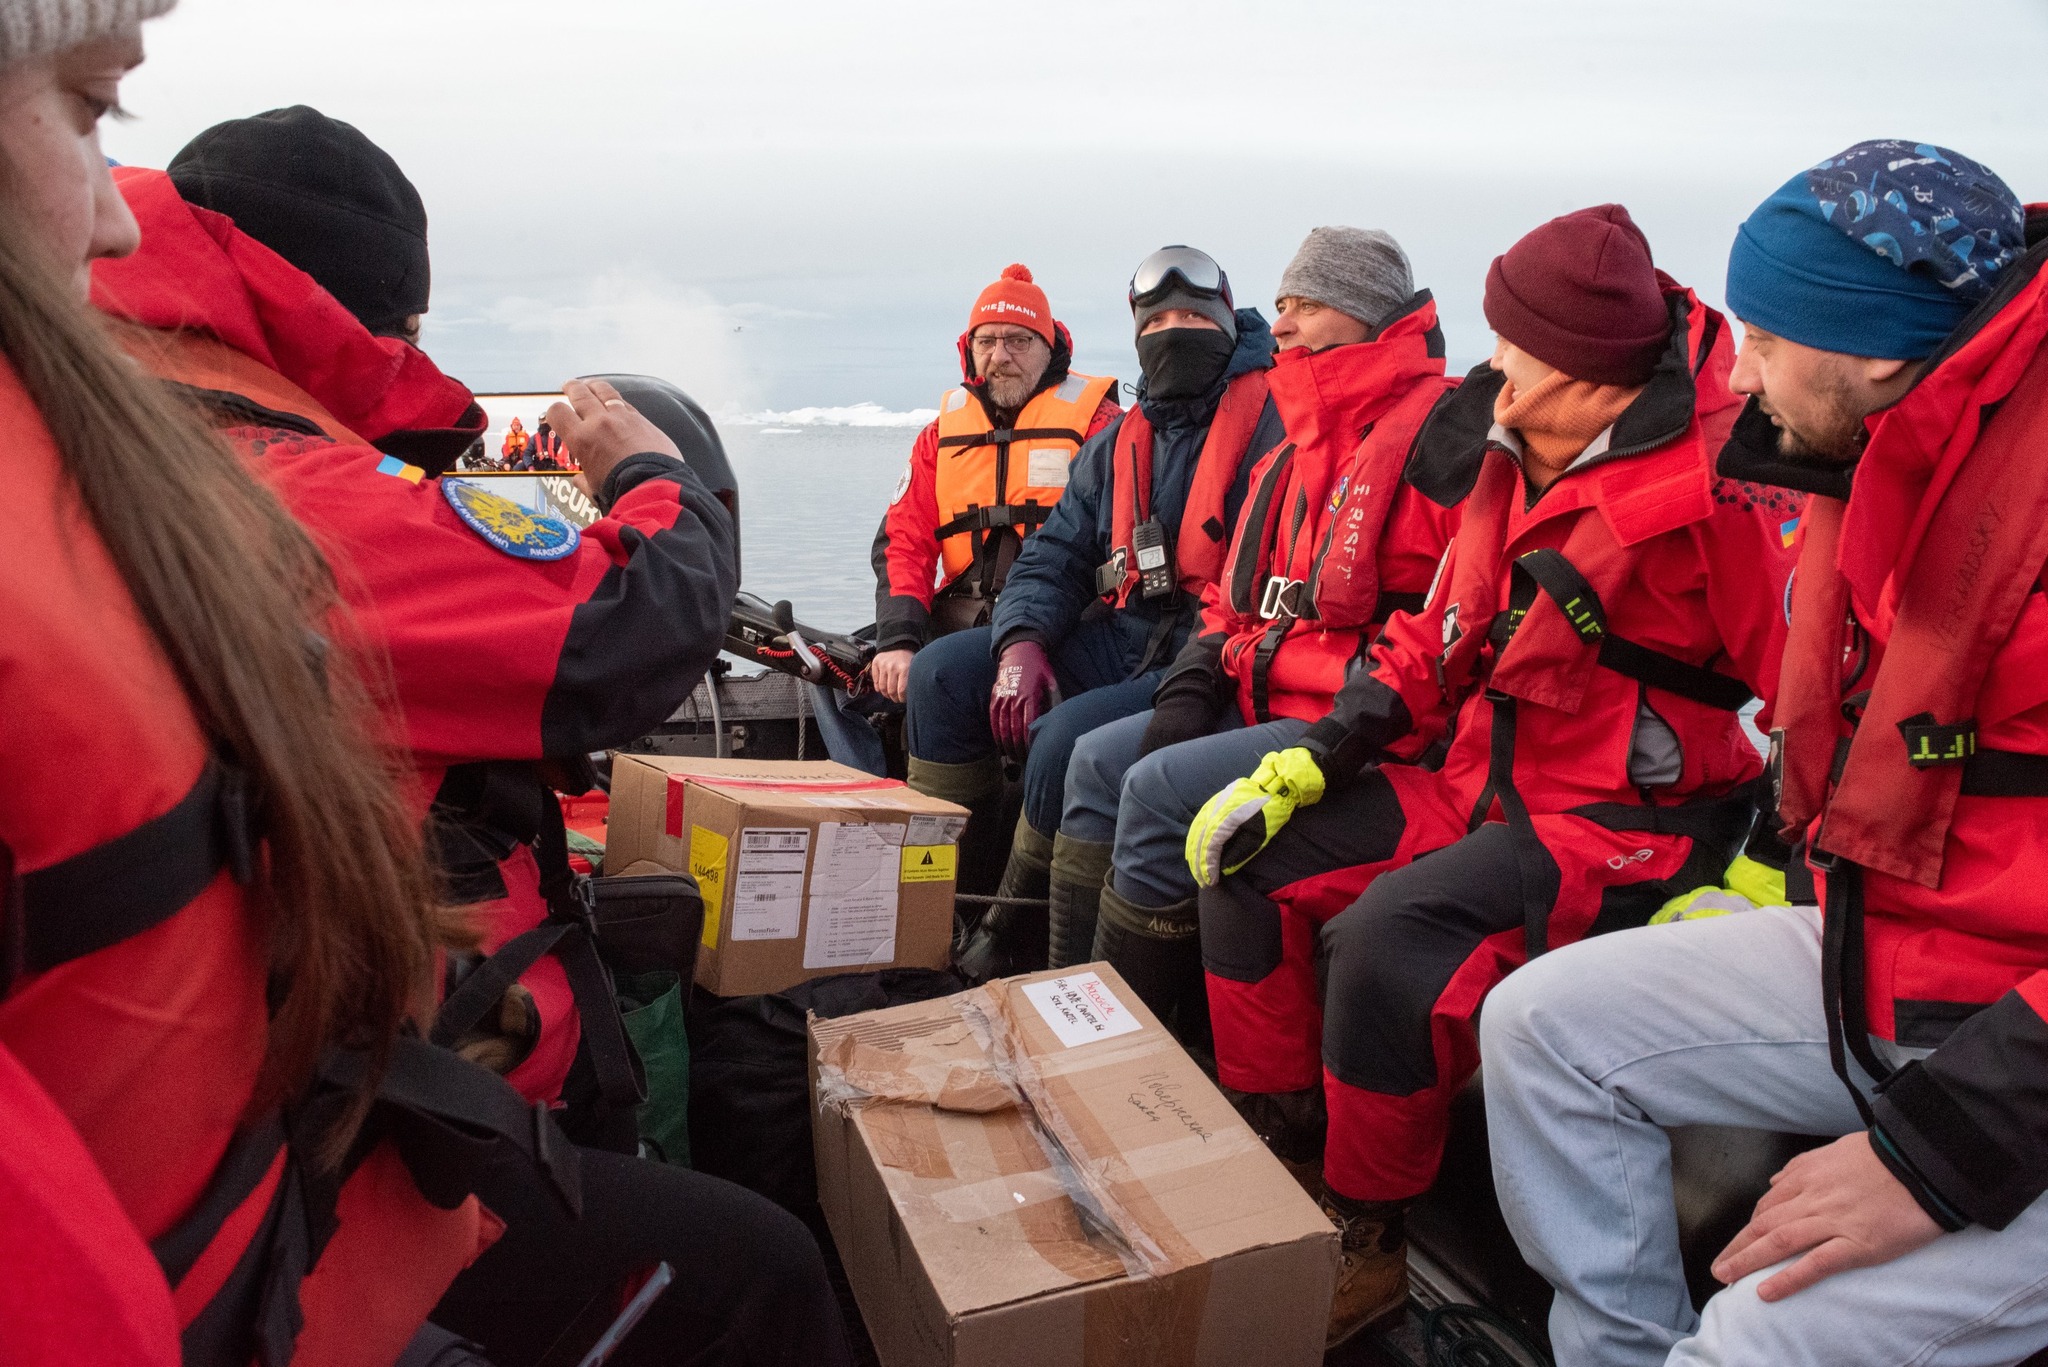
x,y
151,1045
77,1284
1929,832
492,657
1333,537
1687,565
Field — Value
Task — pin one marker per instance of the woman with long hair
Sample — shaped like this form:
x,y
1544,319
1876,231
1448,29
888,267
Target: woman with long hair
x,y
225,936
216,885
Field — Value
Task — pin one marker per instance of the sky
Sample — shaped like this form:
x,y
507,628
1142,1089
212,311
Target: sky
x,y
792,205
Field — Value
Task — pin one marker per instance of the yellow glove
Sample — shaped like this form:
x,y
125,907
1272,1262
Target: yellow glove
x,y
1749,885
1235,824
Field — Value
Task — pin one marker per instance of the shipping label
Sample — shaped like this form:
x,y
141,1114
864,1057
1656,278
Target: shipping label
x,y
851,912
768,883
933,828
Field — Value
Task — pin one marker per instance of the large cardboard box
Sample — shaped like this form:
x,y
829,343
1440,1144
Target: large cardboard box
x,y
807,868
1034,1174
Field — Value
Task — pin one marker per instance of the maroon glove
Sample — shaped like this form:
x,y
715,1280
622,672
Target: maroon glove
x,y
1024,685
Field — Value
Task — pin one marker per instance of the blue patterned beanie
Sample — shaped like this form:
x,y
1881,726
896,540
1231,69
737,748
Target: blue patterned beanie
x,y
1879,251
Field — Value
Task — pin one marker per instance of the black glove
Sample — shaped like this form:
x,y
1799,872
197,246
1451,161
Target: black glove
x,y
1183,714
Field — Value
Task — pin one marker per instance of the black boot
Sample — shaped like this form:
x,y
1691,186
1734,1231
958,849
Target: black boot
x,y
1156,950
1074,899
977,786
1011,937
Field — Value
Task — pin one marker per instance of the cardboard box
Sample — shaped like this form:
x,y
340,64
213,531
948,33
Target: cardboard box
x,y
807,868
1035,1173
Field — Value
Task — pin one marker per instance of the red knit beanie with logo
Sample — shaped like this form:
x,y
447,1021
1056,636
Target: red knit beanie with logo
x,y
1580,293
1013,298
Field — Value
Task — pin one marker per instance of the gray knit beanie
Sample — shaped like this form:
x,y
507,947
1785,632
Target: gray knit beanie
x,y
1359,271
36,28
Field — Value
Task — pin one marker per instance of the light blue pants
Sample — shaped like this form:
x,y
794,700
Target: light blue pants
x,y
1145,805
1590,1050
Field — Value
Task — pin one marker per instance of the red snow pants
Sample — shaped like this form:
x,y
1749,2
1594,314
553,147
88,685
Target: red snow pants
x,y
1354,951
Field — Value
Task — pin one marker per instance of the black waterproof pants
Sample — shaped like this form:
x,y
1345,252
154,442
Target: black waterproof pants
x,y
750,1287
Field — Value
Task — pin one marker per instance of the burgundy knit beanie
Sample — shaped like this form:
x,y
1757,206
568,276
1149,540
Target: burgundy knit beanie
x,y
1581,294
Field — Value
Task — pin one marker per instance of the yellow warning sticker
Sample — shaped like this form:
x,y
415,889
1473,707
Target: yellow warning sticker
x,y
929,863
708,851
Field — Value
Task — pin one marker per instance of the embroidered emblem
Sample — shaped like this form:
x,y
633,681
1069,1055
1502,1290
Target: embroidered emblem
x,y
1337,494
507,527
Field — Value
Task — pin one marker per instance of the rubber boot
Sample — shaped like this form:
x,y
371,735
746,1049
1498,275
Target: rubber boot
x,y
1158,952
1372,1272
1293,1125
1074,899
977,786
1011,938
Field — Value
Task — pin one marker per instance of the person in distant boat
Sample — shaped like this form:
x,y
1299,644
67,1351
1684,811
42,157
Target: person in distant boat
x,y
1101,598
1605,611
518,447
1348,526
1894,305
983,475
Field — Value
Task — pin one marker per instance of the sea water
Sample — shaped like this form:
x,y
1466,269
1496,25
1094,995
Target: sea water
x,y
811,496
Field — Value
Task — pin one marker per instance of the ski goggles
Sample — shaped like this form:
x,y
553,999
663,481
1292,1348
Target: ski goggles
x,y
1182,269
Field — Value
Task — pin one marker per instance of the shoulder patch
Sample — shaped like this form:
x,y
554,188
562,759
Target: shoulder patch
x,y
506,526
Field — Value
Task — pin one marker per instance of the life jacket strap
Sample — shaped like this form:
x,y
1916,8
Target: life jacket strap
x,y
449,1120
2005,773
1030,514
1581,606
134,882
571,933
1004,436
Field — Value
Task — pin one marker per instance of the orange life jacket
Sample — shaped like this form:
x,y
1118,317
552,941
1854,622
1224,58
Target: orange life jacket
x,y
991,478
1204,536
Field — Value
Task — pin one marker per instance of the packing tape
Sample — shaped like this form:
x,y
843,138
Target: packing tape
x,y
678,784
1050,1159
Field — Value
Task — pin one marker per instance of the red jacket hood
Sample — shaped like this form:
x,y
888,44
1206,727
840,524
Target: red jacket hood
x,y
196,271
1328,398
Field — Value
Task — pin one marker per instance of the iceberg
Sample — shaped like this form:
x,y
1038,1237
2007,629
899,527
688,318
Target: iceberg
x,y
850,415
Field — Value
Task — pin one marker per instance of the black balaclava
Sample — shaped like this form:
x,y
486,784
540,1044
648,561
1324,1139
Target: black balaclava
x,y
1183,363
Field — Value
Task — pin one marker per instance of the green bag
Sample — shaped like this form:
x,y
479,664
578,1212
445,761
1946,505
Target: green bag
x,y
651,1005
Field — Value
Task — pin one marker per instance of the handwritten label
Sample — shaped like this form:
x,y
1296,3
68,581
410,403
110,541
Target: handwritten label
x,y
707,864
1155,1098
1081,1009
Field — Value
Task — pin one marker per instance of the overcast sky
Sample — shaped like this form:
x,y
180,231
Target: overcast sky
x,y
785,204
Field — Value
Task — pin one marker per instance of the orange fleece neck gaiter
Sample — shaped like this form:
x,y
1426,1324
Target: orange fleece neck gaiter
x,y
1557,418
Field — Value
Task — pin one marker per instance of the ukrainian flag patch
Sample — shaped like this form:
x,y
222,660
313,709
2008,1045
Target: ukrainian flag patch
x,y
1787,531
506,526
392,465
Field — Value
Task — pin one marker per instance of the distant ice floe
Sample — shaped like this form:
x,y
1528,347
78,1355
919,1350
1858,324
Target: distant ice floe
x,y
851,415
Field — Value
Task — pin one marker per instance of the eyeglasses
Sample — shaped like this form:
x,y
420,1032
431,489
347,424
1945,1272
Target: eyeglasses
x,y
1178,268
1015,342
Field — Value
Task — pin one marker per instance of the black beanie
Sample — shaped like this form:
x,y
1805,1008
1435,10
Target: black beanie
x,y
325,198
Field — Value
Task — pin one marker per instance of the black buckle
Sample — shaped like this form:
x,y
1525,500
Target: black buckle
x,y
1930,745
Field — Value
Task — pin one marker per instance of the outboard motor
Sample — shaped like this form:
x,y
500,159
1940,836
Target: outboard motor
x,y
686,424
